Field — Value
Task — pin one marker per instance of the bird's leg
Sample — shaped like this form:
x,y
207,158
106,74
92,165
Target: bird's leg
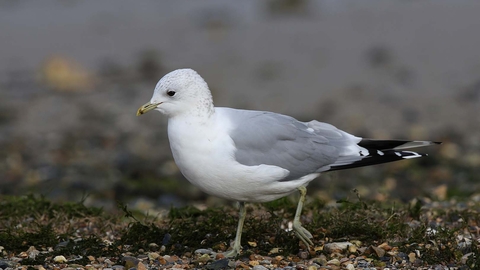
x,y
236,245
300,231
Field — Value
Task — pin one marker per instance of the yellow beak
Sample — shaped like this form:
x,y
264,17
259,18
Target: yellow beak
x,y
147,107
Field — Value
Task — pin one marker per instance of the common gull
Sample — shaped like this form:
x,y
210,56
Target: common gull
x,y
257,156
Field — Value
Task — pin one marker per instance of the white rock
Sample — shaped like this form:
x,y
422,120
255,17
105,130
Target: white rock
x,y
60,259
337,246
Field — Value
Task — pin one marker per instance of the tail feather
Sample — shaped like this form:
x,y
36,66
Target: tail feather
x,y
381,151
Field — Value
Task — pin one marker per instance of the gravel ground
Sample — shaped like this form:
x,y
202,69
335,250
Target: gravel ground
x,y
437,235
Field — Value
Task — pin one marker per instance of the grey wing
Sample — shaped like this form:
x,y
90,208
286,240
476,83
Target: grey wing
x,y
280,140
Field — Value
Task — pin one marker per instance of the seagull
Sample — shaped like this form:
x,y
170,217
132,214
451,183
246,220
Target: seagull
x,y
257,156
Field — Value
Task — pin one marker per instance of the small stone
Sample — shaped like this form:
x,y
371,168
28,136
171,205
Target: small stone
x,y
32,252
153,246
312,267
352,249
417,262
141,266
16,259
379,251
162,261
219,256
204,251
334,262
337,247
153,255
253,263
252,244
255,257
274,251
259,267
217,265
240,264
357,243
344,260
350,267
60,259
4,264
204,258
321,260
91,258
385,246
266,262
303,254
130,261
117,267
411,257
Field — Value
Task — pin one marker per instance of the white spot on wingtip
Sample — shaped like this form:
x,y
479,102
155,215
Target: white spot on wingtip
x,y
414,155
380,153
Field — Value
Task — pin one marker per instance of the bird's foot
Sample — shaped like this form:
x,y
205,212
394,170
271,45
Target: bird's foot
x,y
231,253
303,234
227,254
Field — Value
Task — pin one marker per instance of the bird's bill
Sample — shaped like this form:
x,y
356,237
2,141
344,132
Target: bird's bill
x,y
147,107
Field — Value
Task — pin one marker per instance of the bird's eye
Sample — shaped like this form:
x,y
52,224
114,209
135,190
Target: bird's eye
x,y
171,93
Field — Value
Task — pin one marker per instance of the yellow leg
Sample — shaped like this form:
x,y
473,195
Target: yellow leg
x,y
299,230
236,245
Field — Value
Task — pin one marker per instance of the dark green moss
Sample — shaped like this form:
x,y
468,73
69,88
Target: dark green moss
x,y
432,231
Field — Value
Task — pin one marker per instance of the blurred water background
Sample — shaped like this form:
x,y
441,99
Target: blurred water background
x,y
73,73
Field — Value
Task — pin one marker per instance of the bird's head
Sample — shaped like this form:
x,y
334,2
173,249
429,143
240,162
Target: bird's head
x,y
181,91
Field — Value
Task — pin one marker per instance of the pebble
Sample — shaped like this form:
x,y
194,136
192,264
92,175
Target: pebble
x,y
60,259
303,254
141,266
32,252
259,267
253,263
411,257
334,262
220,264
321,260
4,264
130,261
204,251
153,255
379,251
203,258
350,266
337,247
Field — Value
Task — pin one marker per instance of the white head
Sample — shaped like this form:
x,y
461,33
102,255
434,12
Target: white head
x,y
181,91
